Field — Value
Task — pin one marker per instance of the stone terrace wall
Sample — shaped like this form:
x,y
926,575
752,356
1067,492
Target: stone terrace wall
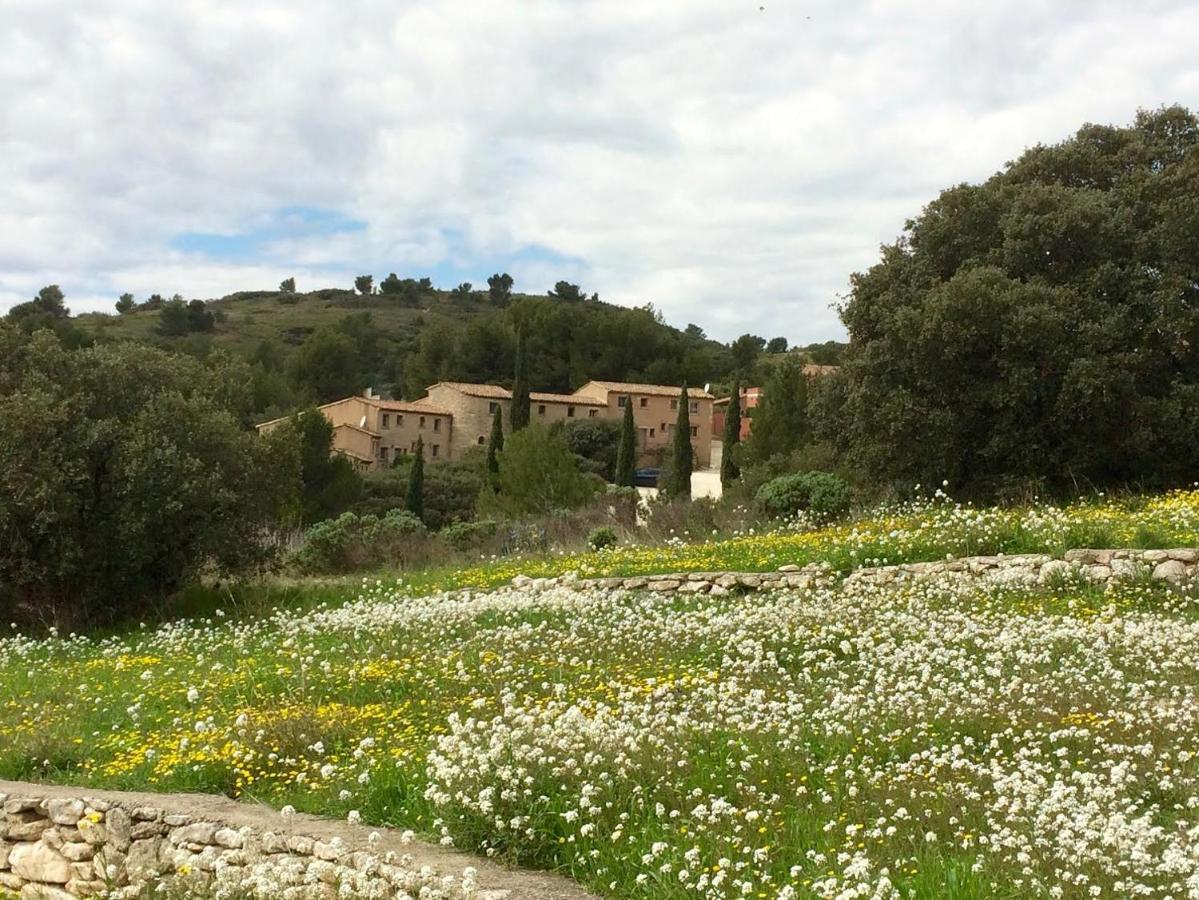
x,y
61,847
1097,565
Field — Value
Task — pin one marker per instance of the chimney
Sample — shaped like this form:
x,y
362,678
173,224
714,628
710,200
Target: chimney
x,y
370,394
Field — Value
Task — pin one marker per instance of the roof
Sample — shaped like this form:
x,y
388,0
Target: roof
x,y
658,390
415,406
491,391
542,397
358,428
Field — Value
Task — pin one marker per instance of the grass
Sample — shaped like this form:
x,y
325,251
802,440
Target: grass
x,y
664,746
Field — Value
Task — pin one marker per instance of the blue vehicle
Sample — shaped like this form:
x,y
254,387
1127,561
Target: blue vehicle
x,y
646,477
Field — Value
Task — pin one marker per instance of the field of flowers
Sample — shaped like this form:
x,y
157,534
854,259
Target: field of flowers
x,y
946,738
913,532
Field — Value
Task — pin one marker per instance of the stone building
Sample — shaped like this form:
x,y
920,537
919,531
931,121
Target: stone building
x,y
454,416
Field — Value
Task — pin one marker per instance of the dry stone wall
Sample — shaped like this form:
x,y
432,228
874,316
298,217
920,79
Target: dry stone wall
x,y
62,848
1097,565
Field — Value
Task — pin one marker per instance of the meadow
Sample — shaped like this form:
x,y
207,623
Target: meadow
x,y
943,738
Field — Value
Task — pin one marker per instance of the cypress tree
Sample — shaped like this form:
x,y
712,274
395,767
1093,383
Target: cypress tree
x,y
520,386
415,501
679,483
729,471
496,445
626,450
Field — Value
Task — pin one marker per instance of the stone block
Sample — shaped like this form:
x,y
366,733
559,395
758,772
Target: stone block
x,y
15,805
196,833
64,812
39,862
11,882
143,856
147,829
175,820
1170,570
77,852
5,849
26,831
45,892
663,585
1184,554
146,814
93,832
119,825
694,587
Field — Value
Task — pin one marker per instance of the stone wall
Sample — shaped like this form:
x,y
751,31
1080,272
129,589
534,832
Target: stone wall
x,y
1097,565
59,848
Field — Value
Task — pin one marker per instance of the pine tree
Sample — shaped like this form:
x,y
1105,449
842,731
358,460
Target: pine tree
x,y
496,445
679,482
626,450
729,471
415,501
519,417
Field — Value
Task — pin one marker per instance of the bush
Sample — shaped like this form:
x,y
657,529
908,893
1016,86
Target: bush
x,y
822,494
469,535
352,542
601,538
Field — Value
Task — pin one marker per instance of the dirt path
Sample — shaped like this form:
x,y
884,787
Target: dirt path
x,y
506,883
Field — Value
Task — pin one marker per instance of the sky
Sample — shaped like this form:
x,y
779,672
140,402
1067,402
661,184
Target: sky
x,y
730,162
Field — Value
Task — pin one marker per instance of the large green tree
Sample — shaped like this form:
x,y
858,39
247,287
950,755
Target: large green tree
x,y
626,452
1041,329
414,502
520,410
780,420
539,474
678,474
495,446
124,471
731,439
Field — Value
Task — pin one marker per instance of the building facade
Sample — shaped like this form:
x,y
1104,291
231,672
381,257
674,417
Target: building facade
x,y
454,416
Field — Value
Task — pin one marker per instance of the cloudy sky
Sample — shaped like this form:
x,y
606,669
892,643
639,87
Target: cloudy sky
x,y
728,163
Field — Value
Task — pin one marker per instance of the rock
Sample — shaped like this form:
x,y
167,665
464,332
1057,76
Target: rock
x,y
11,882
227,837
327,852
142,830
790,567
146,814
1082,557
119,824
196,833
749,580
1126,568
718,591
634,584
5,849
45,892
1170,570
726,581
94,804
143,856
694,587
1185,555
15,805
77,887
39,862
663,585
798,581
93,832
272,843
26,831
1055,568
175,820
77,852
300,844
64,812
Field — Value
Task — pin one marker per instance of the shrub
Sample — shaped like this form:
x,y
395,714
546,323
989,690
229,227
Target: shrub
x,y
822,494
538,474
468,535
601,538
352,542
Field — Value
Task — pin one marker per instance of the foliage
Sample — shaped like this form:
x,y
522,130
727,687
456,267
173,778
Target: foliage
x,y
745,351
499,288
123,472
352,542
327,366
678,480
177,318
467,535
822,494
564,290
776,345
364,284
539,474
495,446
125,303
287,285
731,439
329,484
48,312
780,420
595,442
520,409
602,538
1039,330
626,450
414,498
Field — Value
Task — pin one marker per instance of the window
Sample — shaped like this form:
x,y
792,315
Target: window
x,y
492,407
437,424
674,404
663,426
644,402
651,432
541,409
399,420
695,431
436,448
695,406
383,454
422,421
622,402
592,413
570,412
481,439
386,421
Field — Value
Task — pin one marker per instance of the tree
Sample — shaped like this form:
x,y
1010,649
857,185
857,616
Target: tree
x,y
1038,331
780,420
364,284
287,285
746,350
328,483
626,455
519,414
729,471
777,345
462,291
499,287
594,442
414,502
126,472
678,481
495,446
538,475
564,290
48,312
125,303
173,318
327,366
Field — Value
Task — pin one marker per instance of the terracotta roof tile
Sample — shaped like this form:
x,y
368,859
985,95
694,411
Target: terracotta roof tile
x,y
657,390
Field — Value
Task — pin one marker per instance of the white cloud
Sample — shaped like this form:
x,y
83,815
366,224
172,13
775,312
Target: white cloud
x,y
731,165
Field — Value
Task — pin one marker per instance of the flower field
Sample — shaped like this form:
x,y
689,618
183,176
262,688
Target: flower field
x,y
943,738
913,532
